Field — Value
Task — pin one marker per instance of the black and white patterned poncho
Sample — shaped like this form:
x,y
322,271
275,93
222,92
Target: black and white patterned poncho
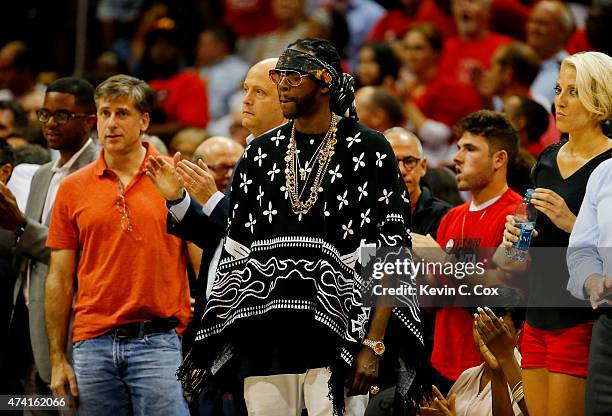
x,y
270,251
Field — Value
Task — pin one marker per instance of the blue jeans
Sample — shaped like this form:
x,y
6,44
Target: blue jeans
x,y
135,376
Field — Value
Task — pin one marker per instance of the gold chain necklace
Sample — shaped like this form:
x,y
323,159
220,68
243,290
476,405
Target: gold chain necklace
x,y
323,156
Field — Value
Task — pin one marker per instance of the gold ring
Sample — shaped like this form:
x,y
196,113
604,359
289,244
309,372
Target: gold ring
x,y
374,389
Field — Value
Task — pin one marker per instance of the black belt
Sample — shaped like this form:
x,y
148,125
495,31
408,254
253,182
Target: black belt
x,y
140,329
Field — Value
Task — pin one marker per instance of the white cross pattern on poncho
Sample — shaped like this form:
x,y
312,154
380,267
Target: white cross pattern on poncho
x,y
245,182
379,159
260,157
362,190
276,139
347,229
352,140
273,171
270,212
342,199
335,173
359,163
385,197
250,223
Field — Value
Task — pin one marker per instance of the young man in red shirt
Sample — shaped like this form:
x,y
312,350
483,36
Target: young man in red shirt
x,y
488,143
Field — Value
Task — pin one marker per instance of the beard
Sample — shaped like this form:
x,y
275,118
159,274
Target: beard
x,y
301,106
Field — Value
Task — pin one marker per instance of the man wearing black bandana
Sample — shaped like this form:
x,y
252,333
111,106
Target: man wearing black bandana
x,y
286,313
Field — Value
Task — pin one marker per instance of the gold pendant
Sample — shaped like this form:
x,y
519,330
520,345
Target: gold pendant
x,y
302,174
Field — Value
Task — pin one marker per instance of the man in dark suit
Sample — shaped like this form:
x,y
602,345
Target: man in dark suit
x,y
200,214
67,116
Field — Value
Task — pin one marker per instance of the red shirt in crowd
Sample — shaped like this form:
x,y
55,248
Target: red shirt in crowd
x,y
447,100
579,42
394,24
249,18
183,98
454,350
460,56
123,276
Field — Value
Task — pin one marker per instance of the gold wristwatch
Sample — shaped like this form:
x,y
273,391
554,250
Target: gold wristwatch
x,y
377,346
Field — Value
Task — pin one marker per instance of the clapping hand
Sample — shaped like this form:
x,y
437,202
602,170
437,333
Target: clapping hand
x,y
439,406
494,333
162,173
485,353
198,179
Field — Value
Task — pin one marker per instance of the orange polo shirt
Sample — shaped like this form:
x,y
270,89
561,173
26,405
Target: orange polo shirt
x,y
123,276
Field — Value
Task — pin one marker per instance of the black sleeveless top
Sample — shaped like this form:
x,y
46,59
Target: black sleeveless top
x,y
549,275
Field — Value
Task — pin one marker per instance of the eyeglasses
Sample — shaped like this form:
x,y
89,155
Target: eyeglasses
x,y
60,116
126,221
294,78
409,162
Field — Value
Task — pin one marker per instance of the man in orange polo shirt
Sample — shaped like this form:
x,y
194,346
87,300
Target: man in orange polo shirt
x,y
109,228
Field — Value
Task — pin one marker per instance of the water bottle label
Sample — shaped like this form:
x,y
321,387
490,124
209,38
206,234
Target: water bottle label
x,y
525,237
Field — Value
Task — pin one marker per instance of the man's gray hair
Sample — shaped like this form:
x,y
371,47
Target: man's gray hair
x,y
119,86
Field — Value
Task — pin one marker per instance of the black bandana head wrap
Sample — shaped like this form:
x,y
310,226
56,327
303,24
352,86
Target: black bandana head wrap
x,y
340,85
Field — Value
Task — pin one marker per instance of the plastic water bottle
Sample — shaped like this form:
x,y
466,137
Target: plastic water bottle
x,y
525,218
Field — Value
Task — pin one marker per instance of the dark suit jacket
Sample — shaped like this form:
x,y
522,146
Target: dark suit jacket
x,y
204,231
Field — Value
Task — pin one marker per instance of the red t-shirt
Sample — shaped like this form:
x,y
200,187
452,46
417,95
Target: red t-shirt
x,y
460,56
393,24
183,98
447,100
454,350
509,17
249,18
123,276
579,42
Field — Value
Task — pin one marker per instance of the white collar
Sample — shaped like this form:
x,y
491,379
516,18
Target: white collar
x,y
486,204
66,166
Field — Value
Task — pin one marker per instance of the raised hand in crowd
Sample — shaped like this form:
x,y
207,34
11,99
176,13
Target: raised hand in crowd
x,y
10,215
500,342
438,405
162,173
485,353
599,288
197,179
495,334
554,207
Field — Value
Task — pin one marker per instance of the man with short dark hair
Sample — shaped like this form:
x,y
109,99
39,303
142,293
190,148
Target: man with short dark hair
x,y
286,312
67,117
132,296
488,142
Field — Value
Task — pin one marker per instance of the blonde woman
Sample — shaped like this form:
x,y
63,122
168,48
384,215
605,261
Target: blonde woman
x,y
557,337
589,262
